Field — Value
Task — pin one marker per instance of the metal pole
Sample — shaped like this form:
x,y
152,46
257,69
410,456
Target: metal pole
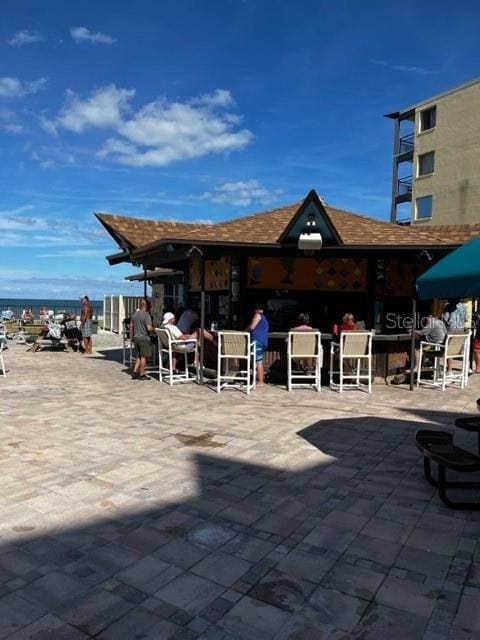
x,y
412,344
202,316
202,337
144,283
189,254
396,150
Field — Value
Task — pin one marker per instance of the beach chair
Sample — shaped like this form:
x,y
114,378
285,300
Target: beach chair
x,y
167,347
236,347
353,354
304,348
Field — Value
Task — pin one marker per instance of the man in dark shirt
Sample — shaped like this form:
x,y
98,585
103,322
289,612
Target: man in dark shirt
x,y
140,328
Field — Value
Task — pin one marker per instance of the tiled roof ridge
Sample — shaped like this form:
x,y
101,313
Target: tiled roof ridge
x,y
260,213
472,225
427,233
102,215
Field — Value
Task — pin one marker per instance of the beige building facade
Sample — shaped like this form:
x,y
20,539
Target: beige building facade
x,y
436,164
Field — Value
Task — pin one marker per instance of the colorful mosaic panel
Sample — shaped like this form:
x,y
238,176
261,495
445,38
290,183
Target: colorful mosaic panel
x,y
335,274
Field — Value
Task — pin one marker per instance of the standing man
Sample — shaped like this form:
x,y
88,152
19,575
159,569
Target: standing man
x,y
140,328
86,325
258,328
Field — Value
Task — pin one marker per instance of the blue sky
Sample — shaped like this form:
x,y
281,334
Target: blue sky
x,y
200,111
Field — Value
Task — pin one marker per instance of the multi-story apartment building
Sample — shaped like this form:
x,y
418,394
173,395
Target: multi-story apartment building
x,y
436,159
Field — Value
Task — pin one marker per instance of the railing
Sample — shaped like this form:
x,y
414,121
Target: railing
x,y
57,309
407,144
404,186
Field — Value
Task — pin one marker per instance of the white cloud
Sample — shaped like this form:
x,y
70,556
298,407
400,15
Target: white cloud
x,y
12,128
241,194
104,109
422,71
73,253
82,34
48,125
51,156
16,210
43,285
14,88
160,132
219,98
43,232
21,38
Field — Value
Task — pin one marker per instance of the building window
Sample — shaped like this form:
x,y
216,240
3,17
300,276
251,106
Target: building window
x,y
424,208
428,119
426,163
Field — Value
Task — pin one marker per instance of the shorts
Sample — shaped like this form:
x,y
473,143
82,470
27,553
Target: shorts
x,y
87,329
143,347
259,353
476,343
433,346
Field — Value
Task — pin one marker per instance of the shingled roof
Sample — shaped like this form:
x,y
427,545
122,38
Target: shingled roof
x,y
133,233
456,233
266,228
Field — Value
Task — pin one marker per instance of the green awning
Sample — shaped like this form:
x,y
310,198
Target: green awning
x,y
455,276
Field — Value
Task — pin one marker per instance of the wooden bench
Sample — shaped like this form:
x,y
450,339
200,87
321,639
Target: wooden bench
x,y
438,446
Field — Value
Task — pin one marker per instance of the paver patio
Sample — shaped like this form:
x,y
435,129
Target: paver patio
x,y
130,509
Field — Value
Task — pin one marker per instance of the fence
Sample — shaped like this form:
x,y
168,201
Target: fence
x,y
116,309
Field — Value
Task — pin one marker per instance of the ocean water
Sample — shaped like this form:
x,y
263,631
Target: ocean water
x,y
70,306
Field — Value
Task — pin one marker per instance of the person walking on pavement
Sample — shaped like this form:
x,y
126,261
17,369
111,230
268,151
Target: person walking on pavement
x,y
140,328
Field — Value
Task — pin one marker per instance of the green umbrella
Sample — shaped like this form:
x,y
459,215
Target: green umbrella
x,y
455,276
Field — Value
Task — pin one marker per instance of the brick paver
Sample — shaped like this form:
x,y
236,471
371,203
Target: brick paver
x,y
132,509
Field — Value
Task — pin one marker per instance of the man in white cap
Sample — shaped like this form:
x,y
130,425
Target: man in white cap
x,y
169,323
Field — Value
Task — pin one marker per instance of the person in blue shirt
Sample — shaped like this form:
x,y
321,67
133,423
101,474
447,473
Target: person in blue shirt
x,y
258,328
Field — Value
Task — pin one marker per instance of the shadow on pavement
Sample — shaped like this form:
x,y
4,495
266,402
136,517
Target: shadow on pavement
x,y
250,551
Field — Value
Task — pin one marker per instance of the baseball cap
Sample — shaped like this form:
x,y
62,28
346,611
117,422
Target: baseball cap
x,y
167,317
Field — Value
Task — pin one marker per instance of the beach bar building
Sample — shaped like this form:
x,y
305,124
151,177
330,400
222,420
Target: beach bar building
x,y
304,257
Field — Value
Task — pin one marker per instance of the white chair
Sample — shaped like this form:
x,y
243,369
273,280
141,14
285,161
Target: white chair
x,y
304,345
2,361
456,348
127,344
354,357
167,347
236,346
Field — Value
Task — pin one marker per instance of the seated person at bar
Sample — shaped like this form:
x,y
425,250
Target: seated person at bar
x,y
348,323
169,323
303,323
433,331
186,321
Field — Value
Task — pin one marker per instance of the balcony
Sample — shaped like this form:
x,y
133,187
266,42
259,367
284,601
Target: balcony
x,y
406,146
404,190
